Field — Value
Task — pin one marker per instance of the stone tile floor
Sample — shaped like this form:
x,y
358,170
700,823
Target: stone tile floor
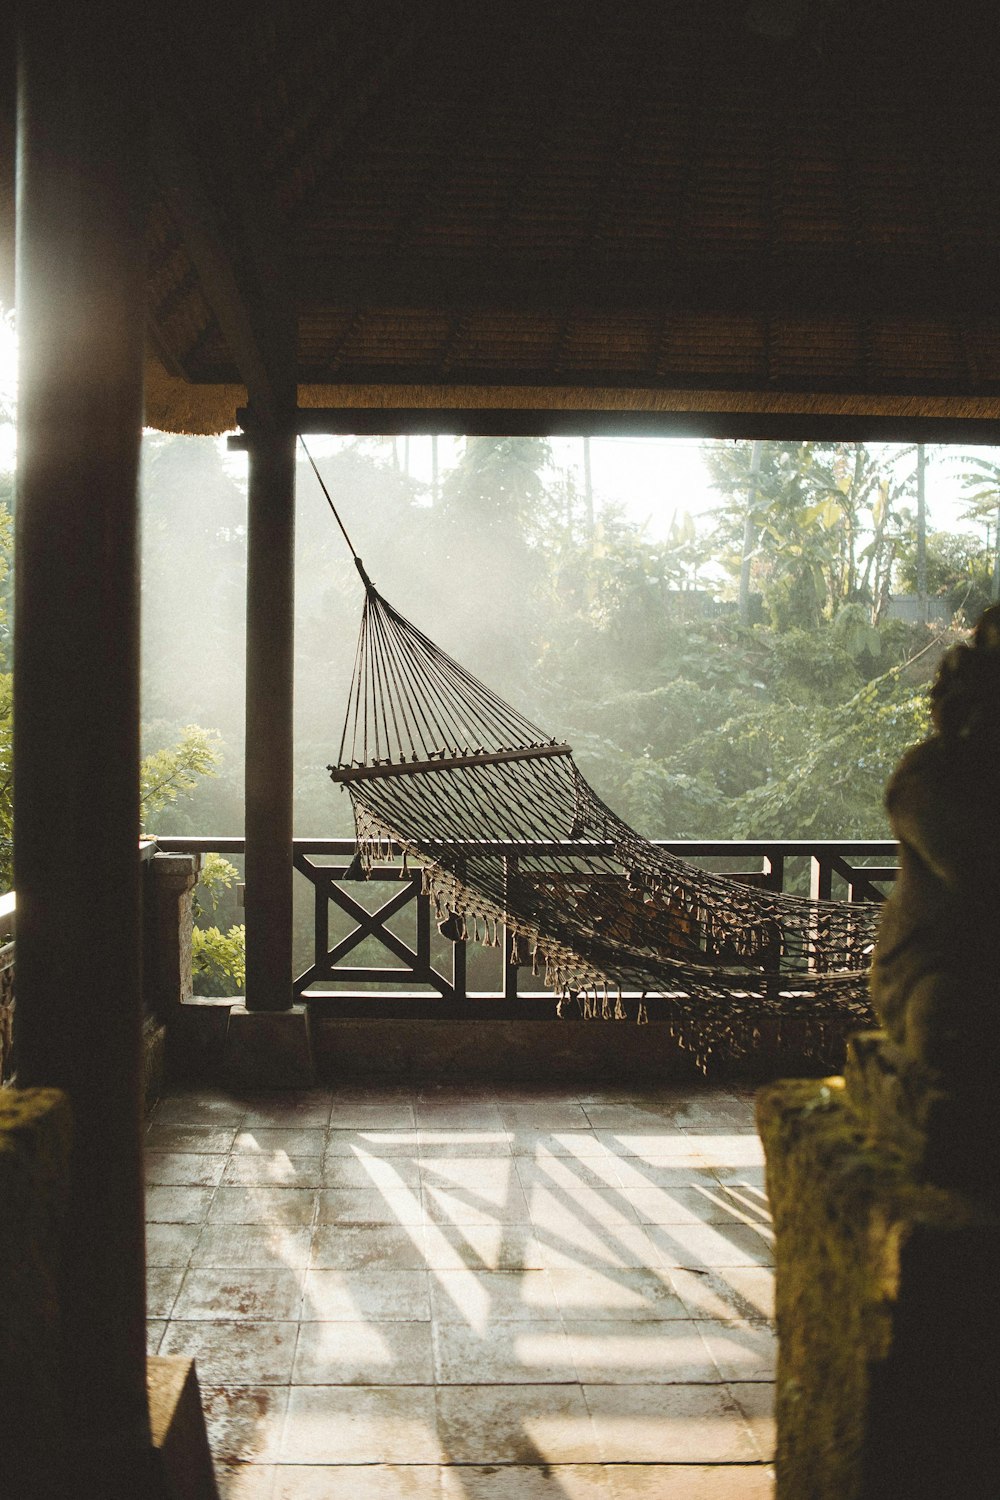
x,y
482,1294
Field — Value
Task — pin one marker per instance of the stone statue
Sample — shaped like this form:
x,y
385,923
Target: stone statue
x,y
936,975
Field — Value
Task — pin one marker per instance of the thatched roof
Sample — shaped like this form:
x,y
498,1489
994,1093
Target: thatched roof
x,y
788,205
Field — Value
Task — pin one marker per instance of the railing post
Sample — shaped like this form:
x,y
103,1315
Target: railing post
x,y
821,875
168,921
509,970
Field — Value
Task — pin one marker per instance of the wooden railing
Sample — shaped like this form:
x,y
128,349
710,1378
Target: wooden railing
x,y
374,946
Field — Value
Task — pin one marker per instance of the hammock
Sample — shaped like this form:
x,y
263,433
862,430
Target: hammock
x,y
440,769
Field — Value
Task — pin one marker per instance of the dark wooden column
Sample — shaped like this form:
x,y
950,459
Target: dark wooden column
x,y
270,663
80,305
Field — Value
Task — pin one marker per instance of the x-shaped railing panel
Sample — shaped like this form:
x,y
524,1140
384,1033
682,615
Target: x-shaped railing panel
x,y
329,885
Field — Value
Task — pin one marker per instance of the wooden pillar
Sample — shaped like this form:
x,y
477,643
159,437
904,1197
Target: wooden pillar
x,y
270,665
80,304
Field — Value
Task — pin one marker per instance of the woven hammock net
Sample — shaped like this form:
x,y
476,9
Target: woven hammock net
x,y
442,770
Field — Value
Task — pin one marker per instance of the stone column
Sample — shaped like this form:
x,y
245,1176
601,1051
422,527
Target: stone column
x,y
269,733
80,296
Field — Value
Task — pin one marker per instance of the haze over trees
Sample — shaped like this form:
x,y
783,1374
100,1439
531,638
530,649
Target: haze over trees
x,y
742,675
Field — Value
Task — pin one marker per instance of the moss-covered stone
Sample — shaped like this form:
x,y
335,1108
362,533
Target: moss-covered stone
x,y
34,1163
887,1309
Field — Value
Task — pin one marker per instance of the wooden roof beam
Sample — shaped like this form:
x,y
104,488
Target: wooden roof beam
x,y
262,350
802,426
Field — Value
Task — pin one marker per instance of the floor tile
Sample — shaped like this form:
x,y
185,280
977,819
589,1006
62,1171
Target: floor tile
x,y
450,1141
364,1171
199,1107
666,1172
359,1116
523,1352
466,1207
244,1423
361,1425
687,1205
656,1146
711,1245
543,1116
570,1244
630,1117
155,1329
287,1110
352,1247
481,1175
295,1140
364,1353
384,1144
245,1481
213,1140
521,1482
555,1210
668,1424
170,1244
472,1115
251,1296
178,1205
756,1402
569,1174
608,1352
718,1113
741,1351
727,1149
534,1142
371,1205
162,1285
358,1482
273,1245
482,1247
691,1481
483,1299
272,1169
183,1169
356,1296
515,1424
733,1292
263,1205
242,1353
616,1295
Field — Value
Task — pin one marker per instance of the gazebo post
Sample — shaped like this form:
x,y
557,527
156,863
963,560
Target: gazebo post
x,y
269,700
81,299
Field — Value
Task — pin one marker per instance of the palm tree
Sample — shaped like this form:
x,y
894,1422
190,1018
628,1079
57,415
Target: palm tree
x,y
981,481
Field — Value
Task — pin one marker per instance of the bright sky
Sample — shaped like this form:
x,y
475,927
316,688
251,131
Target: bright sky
x,y
651,478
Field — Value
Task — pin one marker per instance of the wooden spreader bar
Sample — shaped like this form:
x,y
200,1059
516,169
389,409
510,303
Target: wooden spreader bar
x,y
446,763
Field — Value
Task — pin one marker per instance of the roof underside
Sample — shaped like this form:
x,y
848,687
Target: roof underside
x,y
774,206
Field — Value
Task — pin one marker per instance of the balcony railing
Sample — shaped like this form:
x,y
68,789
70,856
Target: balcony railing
x,y
372,947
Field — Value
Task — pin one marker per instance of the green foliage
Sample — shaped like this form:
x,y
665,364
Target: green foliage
x,y
959,571
215,876
218,960
168,773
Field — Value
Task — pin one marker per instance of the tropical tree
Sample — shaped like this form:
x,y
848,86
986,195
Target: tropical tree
x,y
981,482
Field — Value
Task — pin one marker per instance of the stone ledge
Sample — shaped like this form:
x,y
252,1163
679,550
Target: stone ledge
x,y
887,1309
35,1139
